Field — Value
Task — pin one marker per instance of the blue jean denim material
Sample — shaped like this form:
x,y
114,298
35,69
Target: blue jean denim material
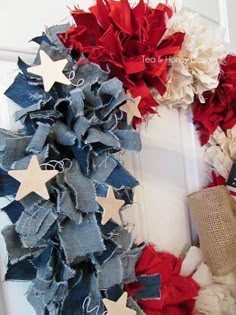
x,y
60,244
151,287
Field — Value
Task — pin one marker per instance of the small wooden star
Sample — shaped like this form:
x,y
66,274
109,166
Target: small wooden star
x,y
50,71
111,207
119,307
33,179
131,108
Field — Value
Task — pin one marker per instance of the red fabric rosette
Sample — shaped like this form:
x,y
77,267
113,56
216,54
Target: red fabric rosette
x,y
129,41
177,292
220,106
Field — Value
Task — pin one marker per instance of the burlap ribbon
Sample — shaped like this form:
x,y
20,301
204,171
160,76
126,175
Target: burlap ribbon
x,y
213,212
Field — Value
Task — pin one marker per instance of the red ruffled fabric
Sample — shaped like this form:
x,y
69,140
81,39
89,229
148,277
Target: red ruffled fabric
x,y
220,106
216,180
126,39
177,292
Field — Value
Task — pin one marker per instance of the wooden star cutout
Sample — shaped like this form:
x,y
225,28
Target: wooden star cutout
x,y
33,179
119,307
131,108
111,207
50,71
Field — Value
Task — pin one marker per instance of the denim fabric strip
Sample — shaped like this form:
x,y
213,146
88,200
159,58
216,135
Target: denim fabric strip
x,y
66,207
93,102
67,272
111,248
46,116
101,190
55,293
104,166
13,210
39,39
23,163
23,270
44,263
82,155
36,301
129,260
21,114
106,138
151,287
14,150
111,87
121,178
6,134
31,201
111,123
8,185
115,102
104,281
77,104
16,251
35,222
63,135
39,139
80,240
53,31
55,53
123,239
131,303
80,127
82,187
80,290
23,94
129,139
91,73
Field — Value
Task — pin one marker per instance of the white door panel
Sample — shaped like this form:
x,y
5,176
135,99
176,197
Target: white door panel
x,y
209,8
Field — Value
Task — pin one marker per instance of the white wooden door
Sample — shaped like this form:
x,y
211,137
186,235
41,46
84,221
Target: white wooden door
x,y
171,163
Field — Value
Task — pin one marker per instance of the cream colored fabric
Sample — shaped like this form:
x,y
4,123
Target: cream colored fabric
x,y
221,151
217,295
196,67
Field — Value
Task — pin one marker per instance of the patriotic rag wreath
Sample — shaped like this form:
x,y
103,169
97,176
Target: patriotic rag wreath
x,y
91,85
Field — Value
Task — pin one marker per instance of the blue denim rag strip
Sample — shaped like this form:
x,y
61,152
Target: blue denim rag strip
x,y
53,31
81,239
62,134
67,207
21,164
25,94
129,139
106,138
80,127
105,281
14,210
22,114
131,303
15,248
23,270
8,185
39,138
121,178
34,223
103,167
129,260
77,104
151,287
82,188
15,149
